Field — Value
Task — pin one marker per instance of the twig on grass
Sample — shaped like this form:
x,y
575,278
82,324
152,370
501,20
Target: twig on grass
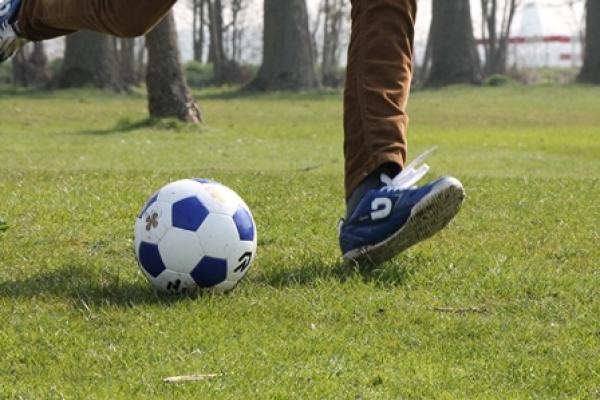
x,y
190,378
310,168
464,310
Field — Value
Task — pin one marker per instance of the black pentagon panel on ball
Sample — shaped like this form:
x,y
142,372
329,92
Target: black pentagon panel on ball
x,y
189,214
245,225
209,272
150,259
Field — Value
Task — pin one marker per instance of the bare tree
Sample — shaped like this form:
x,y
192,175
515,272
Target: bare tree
x,y
128,65
288,62
30,66
168,95
334,12
496,37
141,58
421,72
90,60
454,57
198,28
314,29
579,21
217,47
590,72
237,7
225,66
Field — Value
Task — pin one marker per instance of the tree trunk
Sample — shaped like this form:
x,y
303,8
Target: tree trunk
x,y
454,57
19,68
326,61
225,69
140,59
316,25
198,29
168,95
236,7
218,59
334,11
90,60
288,62
590,72
496,43
422,71
127,63
30,68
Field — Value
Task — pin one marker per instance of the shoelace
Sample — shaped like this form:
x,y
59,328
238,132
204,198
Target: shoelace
x,y
410,175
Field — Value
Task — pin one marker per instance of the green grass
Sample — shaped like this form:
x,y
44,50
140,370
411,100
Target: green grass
x,y
79,321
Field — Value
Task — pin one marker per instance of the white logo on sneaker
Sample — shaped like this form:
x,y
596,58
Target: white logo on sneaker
x,y
381,208
4,7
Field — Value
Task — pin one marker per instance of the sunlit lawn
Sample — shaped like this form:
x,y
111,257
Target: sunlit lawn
x,y
503,304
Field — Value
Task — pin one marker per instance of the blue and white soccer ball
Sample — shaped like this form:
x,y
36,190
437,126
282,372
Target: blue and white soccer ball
x,y
195,233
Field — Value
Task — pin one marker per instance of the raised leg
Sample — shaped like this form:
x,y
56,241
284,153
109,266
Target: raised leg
x,y
45,19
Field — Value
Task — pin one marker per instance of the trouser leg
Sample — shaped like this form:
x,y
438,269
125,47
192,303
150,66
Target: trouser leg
x,y
45,19
377,86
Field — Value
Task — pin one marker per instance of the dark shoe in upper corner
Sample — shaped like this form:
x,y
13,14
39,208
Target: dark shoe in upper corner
x,y
389,220
10,42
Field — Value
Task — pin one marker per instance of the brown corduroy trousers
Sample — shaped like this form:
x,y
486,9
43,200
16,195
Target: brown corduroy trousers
x,y
377,83
377,86
46,19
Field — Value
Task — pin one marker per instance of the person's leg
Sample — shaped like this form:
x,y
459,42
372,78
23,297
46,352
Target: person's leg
x,y
385,213
45,19
377,87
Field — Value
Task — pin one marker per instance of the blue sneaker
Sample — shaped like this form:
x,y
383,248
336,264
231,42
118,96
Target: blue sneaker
x,y
10,42
393,218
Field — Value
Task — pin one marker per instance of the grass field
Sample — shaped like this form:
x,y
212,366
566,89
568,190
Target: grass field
x,y
503,304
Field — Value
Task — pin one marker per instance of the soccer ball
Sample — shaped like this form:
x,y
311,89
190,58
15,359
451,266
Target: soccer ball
x,y
195,233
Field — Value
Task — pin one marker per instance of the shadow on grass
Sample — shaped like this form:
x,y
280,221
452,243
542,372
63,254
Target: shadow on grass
x,y
242,94
125,125
72,94
90,287
231,94
86,286
15,92
390,274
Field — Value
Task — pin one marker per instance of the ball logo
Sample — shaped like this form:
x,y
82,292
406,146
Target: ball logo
x,y
214,193
152,221
245,261
381,208
175,287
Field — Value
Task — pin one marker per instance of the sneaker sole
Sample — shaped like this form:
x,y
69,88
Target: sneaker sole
x,y
430,215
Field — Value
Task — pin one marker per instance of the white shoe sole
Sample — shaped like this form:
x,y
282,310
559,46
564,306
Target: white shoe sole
x,y
429,216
